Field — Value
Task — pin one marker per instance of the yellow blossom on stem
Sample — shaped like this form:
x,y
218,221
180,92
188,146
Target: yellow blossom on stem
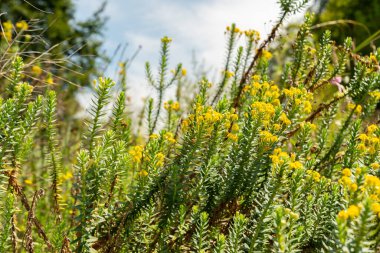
x,y
136,153
375,166
346,172
266,54
295,165
169,137
266,136
36,70
353,211
143,173
160,159
22,25
371,129
232,137
28,181
343,215
166,40
154,136
353,187
375,208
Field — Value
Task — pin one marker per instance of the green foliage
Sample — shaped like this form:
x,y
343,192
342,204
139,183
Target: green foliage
x,y
258,164
62,35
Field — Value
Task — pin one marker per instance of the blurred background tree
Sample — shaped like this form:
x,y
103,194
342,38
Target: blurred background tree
x,y
359,19
77,42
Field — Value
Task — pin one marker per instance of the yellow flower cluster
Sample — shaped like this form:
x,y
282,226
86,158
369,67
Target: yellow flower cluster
x,y
284,119
228,74
22,25
293,163
169,137
279,157
358,109
369,142
136,152
160,158
170,105
375,94
8,30
346,181
166,40
352,212
154,136
308,125
36,70
314,174
262,110
268,137
206,118
184,72
266,55
300,97
252,34
266,92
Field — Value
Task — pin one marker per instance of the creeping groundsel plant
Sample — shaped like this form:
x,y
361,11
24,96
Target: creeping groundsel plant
x,y
255,162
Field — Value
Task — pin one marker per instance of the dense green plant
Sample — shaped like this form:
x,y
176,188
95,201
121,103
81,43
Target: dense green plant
x,y
260,163
52,27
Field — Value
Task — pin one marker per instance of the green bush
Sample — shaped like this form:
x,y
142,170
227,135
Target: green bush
x,y
251,164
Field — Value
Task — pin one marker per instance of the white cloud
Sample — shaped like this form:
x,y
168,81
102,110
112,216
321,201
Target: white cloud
x,y
194,25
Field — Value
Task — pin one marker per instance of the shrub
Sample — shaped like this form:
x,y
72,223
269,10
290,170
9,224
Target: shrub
x,y
250,164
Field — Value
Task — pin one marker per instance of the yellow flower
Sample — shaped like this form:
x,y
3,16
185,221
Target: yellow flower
x,y
169,137
276,127
232,137
371,129
316,176
362,147
371,180
50,80
184,72
136,153
343,215
346,172
166,105
295,165
353,187
28,181
175,106
143,173
36,70
307,108
278,157
363,137
353,211
375,166
68,175
346,181
160,159
375,208
229,74
154,136
166,40
284,119
256,77
268,137
22,25
235,127
358,109
266,54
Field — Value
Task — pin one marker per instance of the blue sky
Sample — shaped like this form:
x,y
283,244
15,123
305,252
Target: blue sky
x,y
194,25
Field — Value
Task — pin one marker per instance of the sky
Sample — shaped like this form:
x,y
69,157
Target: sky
x,y
196,27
